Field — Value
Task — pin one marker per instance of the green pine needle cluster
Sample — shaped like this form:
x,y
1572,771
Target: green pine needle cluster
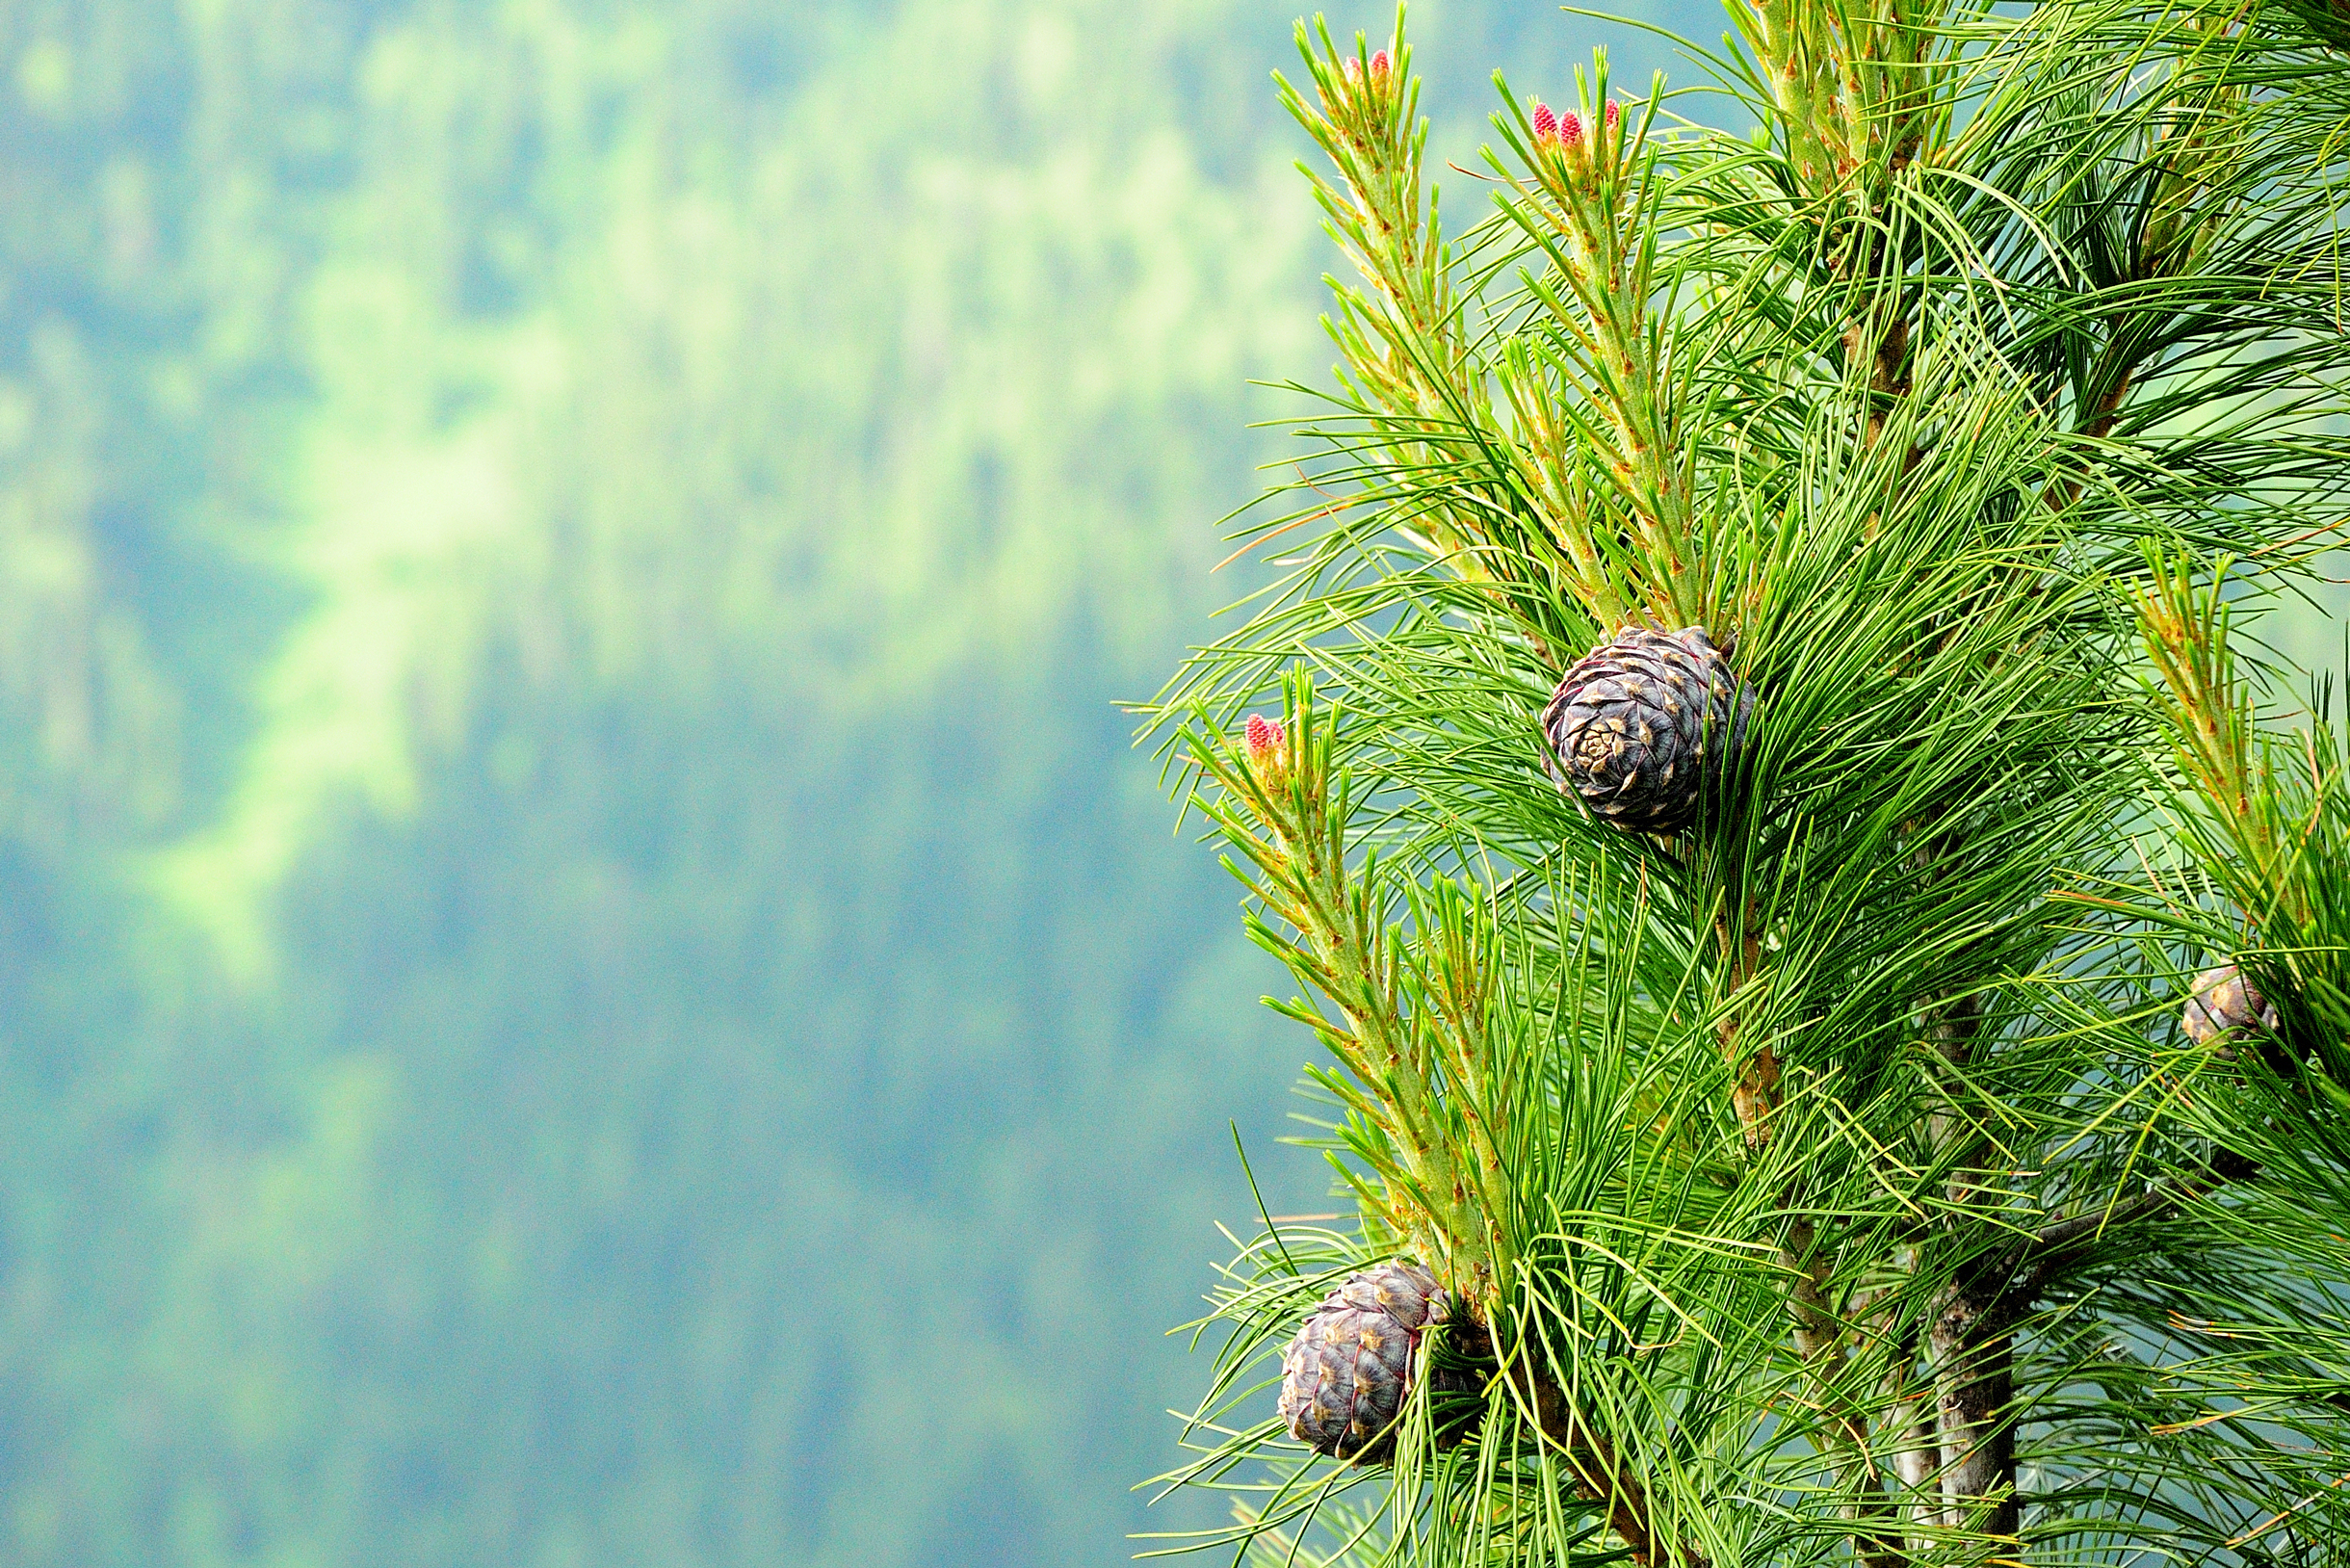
x,y
1832,1181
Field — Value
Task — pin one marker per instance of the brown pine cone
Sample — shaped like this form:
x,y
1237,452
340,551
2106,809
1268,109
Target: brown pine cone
x,y
2225,1001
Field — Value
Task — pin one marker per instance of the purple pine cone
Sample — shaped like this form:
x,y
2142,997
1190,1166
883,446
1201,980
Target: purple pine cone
x,y
1347,1373
1645,724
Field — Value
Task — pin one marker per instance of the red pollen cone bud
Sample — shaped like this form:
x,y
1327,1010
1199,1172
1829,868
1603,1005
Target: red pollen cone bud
x,y
1546,123
1570,130
1380,63
1353,68
1612,113
1267,741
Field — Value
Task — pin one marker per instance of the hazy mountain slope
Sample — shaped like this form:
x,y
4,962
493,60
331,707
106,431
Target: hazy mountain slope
x,y
587,974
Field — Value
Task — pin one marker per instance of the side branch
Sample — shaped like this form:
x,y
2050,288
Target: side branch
x,y
2062,1244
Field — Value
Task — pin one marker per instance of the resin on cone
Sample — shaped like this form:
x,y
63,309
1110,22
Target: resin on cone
x,y
2225,1001
1644,725
1348,1373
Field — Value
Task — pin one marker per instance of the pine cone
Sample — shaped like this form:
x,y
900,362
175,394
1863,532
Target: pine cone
x,y
1644,725
1348,1370
2225,1000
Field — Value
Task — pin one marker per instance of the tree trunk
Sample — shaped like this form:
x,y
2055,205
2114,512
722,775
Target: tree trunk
x,y
1973,1358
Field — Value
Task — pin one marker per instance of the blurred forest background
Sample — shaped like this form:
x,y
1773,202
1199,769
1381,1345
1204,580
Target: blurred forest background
x,y
586,974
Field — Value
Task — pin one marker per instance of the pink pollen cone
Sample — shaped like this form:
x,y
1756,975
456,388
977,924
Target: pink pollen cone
x,y
1612,113
1353,68
1265,738
1546,123
1380,63
1570,130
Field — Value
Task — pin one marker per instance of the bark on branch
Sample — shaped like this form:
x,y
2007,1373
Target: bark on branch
x,y
2062,1244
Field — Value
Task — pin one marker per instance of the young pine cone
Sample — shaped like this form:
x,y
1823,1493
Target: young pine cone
x,y
2225,1001
1644,725
1346,1375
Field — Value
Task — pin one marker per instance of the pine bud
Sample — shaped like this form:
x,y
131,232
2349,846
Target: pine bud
x,y
1612,114
1570,130
1546,123
1380,63
1353,68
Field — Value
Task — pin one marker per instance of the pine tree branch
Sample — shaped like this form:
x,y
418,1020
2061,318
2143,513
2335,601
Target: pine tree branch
x,y
1820,1342
1818,1334
1896,341
1283,808
2063,1243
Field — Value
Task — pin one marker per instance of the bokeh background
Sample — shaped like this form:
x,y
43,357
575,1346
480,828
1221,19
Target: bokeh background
x,y
587,973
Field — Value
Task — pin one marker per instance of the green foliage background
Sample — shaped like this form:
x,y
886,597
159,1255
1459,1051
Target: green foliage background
x,y
586,973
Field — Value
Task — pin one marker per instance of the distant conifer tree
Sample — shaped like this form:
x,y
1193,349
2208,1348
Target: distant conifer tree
x,y
1837,996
